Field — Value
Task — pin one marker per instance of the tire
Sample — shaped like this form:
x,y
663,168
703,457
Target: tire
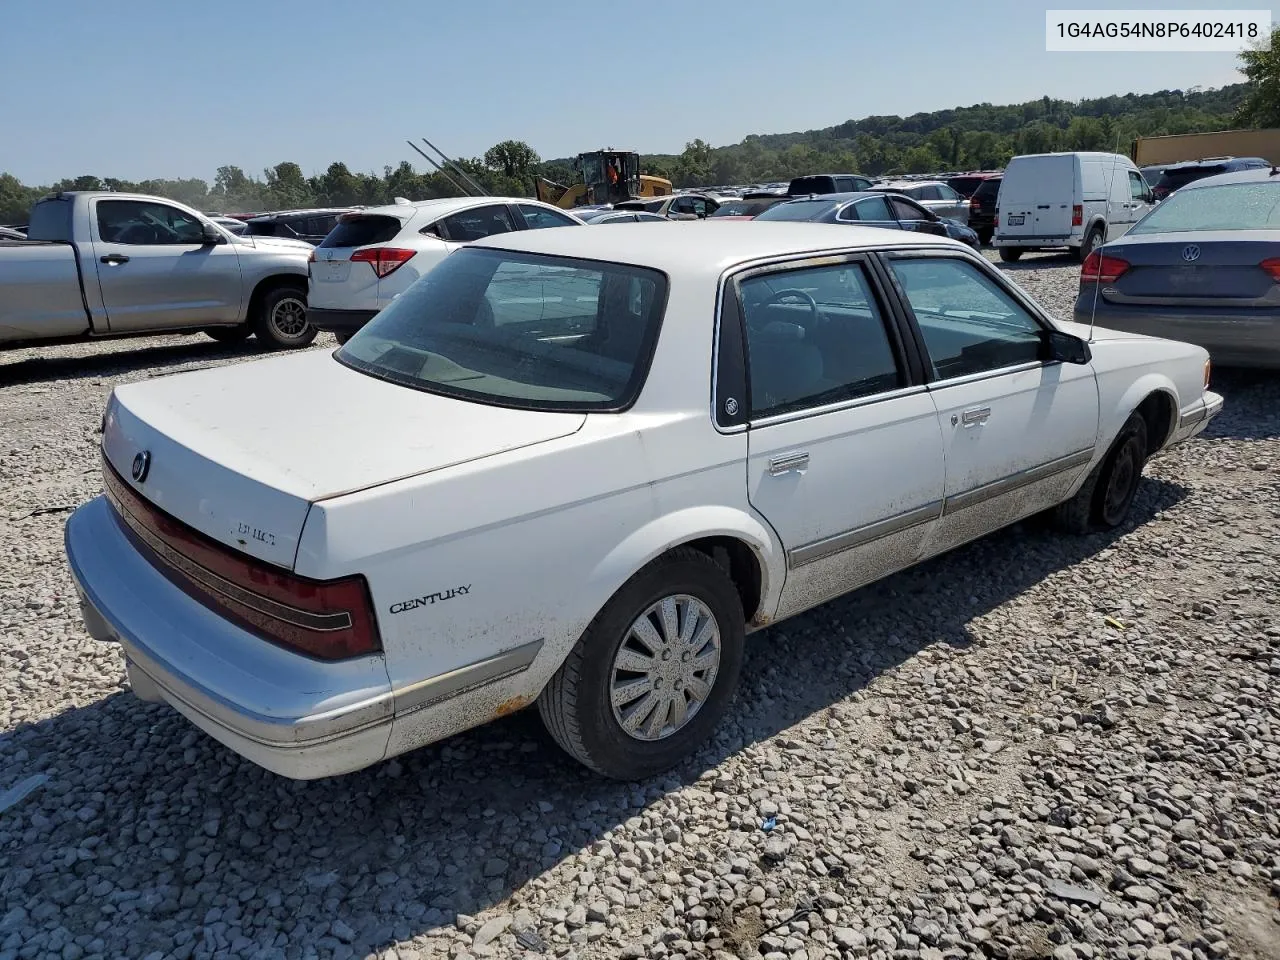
x,y
230,334
577,704
1092,240
281,320
1106,496
984,237
342,338
1010,254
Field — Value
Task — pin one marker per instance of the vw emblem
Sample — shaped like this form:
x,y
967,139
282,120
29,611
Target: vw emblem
x,y
1190,252
141,464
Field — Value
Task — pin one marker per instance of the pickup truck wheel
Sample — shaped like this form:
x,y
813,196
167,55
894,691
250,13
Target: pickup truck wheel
x,y
230,334
1010,254
282,319
654,672
1107,493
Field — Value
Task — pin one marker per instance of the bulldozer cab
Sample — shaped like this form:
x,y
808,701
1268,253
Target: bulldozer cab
x,y
610,176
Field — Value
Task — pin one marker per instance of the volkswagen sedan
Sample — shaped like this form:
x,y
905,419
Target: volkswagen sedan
x,y
574,468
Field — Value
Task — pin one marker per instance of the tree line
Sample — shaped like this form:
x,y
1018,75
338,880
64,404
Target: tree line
x,y
982,136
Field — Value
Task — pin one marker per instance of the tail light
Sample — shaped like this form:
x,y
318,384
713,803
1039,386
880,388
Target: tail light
x,y
974,205
311,257
1272,266
384,260
324,619
1077,215
1101,269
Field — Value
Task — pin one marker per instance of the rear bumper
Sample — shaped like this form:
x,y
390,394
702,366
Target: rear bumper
x,y
1022,240
339,321
295,716
1233,339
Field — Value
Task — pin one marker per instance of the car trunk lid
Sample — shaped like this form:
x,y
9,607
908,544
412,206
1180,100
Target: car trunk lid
x,y
1208,269
241,452
336,282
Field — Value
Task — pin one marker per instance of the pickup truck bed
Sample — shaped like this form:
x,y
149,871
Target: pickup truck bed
x,y
42,297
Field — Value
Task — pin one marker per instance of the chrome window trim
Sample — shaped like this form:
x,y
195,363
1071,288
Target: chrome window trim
x,y
935,385
837,407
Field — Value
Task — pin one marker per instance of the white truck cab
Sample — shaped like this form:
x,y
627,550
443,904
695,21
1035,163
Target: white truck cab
x,y
1072,200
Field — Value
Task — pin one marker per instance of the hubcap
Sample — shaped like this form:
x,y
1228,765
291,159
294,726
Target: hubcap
x,y
289,317
665,668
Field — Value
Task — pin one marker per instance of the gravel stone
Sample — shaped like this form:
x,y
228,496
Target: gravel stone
x,y
1035,746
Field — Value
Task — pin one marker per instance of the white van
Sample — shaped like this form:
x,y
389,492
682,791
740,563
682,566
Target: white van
x,y
1073,200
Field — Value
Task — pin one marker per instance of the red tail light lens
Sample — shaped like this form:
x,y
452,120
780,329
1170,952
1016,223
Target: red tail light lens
x,y
311,257
974,204
384,260
324,619
1272,266
1099,269
1077,215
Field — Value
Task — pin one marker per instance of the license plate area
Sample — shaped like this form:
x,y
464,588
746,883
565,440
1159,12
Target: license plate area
x,y
1016,220
332,271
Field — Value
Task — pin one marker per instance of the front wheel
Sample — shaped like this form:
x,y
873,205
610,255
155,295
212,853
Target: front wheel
x,y
653,674
1010,254
281,320
1104,500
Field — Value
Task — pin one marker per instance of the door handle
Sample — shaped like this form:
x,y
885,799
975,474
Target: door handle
x,y
975,416
114,258
788,462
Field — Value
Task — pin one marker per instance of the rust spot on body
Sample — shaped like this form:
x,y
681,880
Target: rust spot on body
x,y
507,707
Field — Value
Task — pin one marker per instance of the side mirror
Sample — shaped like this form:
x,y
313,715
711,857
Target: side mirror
x,y
209,235
1065,347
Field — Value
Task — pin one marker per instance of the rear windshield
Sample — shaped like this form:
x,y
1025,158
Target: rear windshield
x,y
742,208
519,330
267,228
1232,206
1174,179
803,185
796,210
361,230
50,220
987,188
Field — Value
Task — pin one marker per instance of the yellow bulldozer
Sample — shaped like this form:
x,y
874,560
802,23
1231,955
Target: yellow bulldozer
x,y
606,176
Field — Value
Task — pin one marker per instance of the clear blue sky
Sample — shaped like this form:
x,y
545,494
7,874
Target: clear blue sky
x,y
171,88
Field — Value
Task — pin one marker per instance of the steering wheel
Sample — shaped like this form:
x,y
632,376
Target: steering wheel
x,y
781,295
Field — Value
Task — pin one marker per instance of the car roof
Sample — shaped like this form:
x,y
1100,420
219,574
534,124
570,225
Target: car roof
x,y
309,212
443,206
1255,162
706,246
1252,175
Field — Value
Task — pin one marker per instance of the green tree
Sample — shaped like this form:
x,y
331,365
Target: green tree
x,y
1261,106
515,160
287,188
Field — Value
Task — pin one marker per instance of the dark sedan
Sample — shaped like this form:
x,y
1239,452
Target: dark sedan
x,y
868,209
1203,266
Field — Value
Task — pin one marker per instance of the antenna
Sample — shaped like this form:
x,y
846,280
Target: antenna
x,y
457,169
1097,283
443,173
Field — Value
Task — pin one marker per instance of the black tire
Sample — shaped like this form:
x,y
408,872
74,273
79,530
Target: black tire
x,y
341,338
1010,254
984,237
576,705
230,334
1092,240
281,319
1104,500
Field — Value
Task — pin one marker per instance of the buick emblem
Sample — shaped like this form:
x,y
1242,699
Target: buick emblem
x,y
1190,252
141,464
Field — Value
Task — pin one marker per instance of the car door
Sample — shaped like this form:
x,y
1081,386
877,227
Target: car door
x,y
475,223
540,218
156,272
1139,198
911,216
1017,431
869,212
951,204
844,452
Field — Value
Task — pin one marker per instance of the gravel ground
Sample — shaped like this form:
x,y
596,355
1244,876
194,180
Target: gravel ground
x,y
1034,747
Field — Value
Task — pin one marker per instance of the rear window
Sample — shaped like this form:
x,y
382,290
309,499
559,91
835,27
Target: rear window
x,y
266,228
1176,179
50,220
362,230
742,208
987,188
1232,206
803,185
519,330
797,210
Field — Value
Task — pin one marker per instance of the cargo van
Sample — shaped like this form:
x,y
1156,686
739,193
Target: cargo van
x,y
1073,200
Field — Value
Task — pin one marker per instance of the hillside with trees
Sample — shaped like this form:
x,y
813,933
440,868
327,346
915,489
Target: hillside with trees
x,y
981,136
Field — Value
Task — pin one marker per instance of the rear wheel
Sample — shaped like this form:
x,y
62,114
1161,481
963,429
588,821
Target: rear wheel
x,y
1107,494
653,674
281,319
230,334
1010,254
1092,241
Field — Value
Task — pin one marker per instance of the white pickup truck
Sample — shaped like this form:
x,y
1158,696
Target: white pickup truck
x,y
101,265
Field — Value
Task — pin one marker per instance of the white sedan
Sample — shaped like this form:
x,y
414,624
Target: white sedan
x,y
575,467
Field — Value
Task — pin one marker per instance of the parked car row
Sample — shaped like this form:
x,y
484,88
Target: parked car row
x,y
571,469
